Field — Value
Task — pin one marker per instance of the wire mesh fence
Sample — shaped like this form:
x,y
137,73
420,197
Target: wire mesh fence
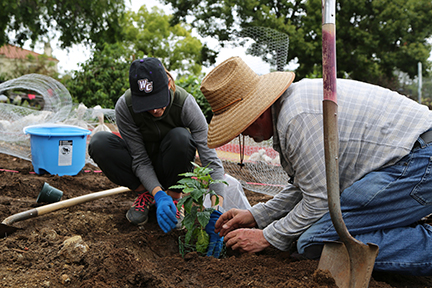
x,y
261,171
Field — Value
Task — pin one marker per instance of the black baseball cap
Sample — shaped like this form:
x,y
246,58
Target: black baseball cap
x,y
149,85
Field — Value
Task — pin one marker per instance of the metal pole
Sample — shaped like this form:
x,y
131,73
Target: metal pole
x,y
420,82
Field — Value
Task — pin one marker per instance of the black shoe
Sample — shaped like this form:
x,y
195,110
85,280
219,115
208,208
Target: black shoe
x,y
138,213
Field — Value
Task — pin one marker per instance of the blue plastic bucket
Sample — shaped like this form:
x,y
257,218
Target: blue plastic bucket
x,y
57,149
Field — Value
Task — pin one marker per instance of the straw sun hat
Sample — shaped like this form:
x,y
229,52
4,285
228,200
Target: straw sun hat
x,y
238,96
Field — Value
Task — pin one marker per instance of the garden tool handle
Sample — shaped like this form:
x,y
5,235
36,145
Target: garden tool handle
x,y
330,125
62,204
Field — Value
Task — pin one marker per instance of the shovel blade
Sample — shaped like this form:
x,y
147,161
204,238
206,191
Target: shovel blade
x,y
6,230
350,266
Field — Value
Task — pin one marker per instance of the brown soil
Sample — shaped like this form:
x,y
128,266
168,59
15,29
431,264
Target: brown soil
x,y
119,254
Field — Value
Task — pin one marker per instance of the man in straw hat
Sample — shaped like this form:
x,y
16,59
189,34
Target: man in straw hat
x,y
385,164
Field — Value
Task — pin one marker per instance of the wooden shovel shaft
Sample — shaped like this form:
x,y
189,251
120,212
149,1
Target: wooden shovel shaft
x,y
330,125
62,204
350,262
330,113
331,149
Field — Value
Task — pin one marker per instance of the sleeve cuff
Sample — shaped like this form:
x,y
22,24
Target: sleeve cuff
x,y
281,242
219,189
261,218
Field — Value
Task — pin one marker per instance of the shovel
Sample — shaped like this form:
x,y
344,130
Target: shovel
x,y
6,229
350,262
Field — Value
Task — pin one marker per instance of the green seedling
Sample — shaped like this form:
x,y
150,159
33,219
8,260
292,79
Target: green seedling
x,y
195,185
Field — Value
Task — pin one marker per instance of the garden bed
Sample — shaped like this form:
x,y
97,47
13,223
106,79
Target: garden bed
x,y
115,253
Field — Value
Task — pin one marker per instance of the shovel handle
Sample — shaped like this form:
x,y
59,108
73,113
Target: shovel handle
x,y
330,125
62,204
330,113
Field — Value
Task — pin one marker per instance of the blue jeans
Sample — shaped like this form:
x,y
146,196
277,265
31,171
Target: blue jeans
x,y
384,208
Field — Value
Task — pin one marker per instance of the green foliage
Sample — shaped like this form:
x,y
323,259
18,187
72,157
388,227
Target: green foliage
x,y
150,34
383,36
373,38
103,79
3,77
78,21
203,240
196,186
192,84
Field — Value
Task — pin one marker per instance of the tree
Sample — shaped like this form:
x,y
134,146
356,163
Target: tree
x,y
103,78
77,21
192,84
374,38
150,34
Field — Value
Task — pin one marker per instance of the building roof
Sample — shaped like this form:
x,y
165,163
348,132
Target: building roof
x,y
14,52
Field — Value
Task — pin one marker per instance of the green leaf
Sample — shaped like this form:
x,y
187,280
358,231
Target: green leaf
x,y
188,190
189,221
177,187
202,241
188,236
203,217
188,204
210,210
220,181
197,195
188,174
181,202
206,171
185,181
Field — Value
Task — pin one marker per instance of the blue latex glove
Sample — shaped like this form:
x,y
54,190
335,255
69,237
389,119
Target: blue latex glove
x,y
216,242
165,211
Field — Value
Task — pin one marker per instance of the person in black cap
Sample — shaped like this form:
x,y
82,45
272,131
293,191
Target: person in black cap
x,y
161,127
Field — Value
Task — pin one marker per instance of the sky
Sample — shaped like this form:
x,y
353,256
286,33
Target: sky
x,y
71,58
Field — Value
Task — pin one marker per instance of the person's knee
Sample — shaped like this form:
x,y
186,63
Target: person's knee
x,y
178,139
306,246
302,241
98,141
179,135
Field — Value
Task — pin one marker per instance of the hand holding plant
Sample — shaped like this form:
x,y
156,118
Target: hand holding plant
x,y
196,186
216,242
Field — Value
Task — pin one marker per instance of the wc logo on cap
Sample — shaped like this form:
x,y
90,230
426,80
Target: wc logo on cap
x,y
145,85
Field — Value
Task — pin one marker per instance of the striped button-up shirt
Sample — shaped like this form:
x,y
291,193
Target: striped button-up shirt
x,y
376,127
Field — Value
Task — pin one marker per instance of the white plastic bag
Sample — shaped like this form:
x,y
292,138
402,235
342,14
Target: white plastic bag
x,y
234,195
97,112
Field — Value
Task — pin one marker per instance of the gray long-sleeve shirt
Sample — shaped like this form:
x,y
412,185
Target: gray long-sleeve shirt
x,y
193,119
377,127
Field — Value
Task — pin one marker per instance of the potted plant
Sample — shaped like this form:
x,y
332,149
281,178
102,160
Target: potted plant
x,y
195,185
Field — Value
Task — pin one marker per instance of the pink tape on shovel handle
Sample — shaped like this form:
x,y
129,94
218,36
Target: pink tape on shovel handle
x,y
329,62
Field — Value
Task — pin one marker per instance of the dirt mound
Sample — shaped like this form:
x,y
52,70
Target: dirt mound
x,y
93,245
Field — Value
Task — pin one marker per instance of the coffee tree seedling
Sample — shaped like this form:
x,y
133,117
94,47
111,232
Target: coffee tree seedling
x,y
195,185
